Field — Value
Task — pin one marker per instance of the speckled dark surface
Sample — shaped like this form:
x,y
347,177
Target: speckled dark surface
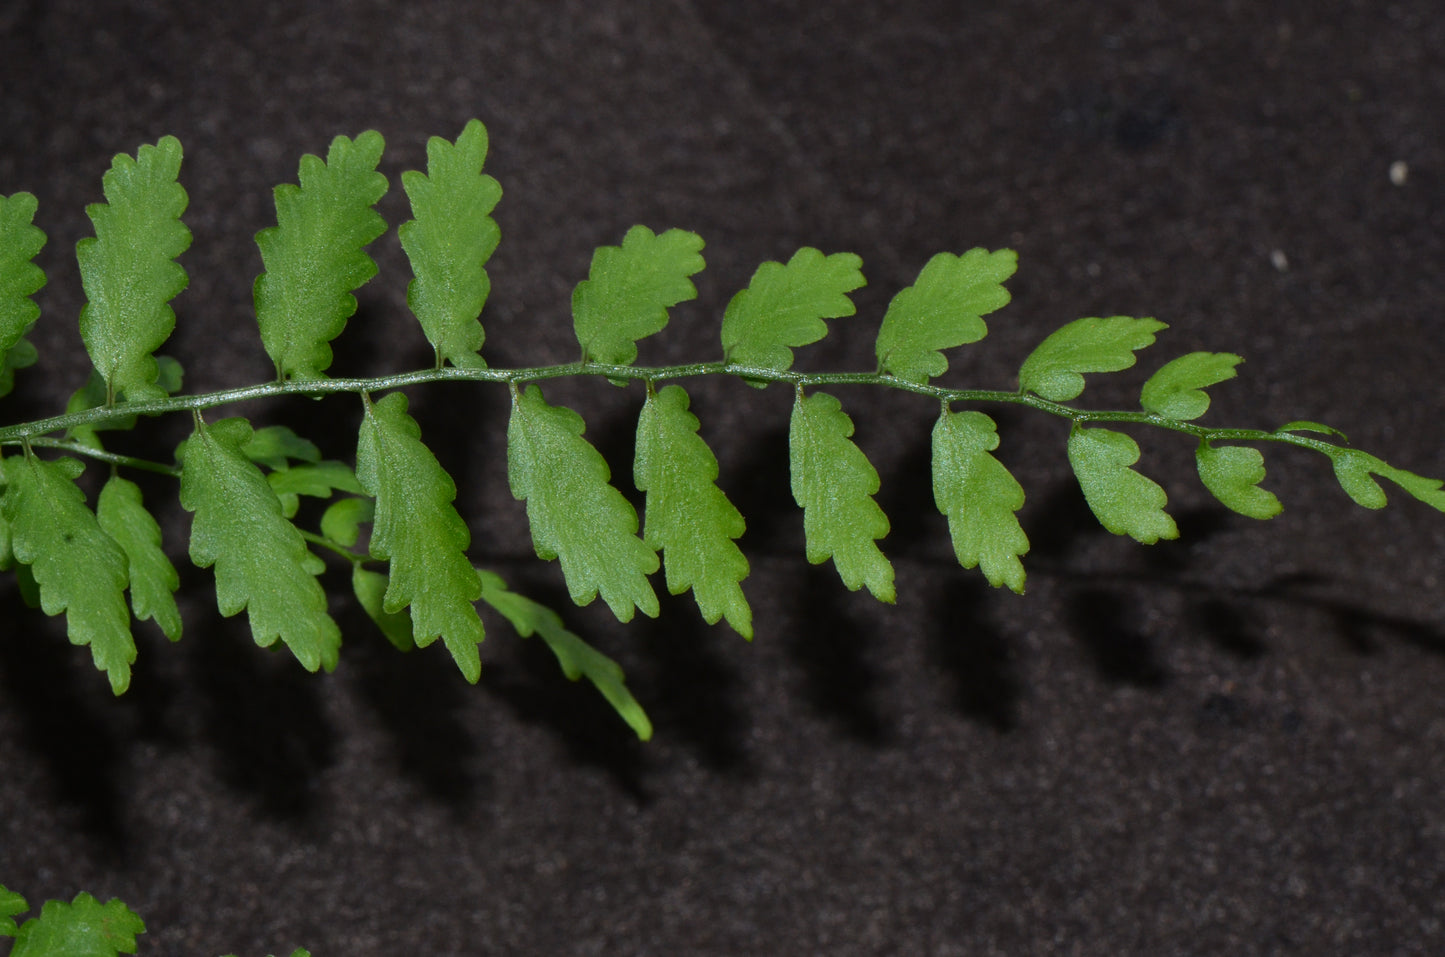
x,y
1231,744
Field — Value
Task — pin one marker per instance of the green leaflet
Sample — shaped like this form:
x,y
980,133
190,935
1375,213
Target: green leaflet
x,y
834,483
313,255
942,309
82,928
784,307
317,480
276,447
577,658
576,516
1176,390
688,518
1124,502
1085,345
11,904
153,579
341,522
20,356
418,530
979,496
262,563
629,289
370,588
1354,468
20,279
449,241
79,569
128,268
1232,473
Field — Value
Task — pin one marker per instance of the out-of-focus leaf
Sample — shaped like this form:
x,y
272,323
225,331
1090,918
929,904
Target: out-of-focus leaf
x,y
577,658
370,588
342,519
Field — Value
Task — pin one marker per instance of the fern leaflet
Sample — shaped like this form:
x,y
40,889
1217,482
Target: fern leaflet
x,y
128,269
313,255
262,563
449,241
419,532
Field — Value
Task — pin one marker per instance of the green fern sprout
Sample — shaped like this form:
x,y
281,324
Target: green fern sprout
x,y
391,516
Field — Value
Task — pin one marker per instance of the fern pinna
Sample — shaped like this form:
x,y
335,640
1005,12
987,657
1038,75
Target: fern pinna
x,y
391,516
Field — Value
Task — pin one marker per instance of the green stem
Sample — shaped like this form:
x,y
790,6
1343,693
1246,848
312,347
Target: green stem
x,y
100,417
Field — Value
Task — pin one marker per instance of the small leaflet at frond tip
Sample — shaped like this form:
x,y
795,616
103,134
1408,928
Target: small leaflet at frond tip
x,y
128,268
942,309
576,516
314,255
834,483
1354,468
1054,370
784,306
449,242
577,658
1176,391
629,289
980,497
1124,501
1232,473
687,517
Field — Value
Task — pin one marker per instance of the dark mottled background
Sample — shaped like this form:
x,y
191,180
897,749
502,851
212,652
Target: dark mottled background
x,y
1230,744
